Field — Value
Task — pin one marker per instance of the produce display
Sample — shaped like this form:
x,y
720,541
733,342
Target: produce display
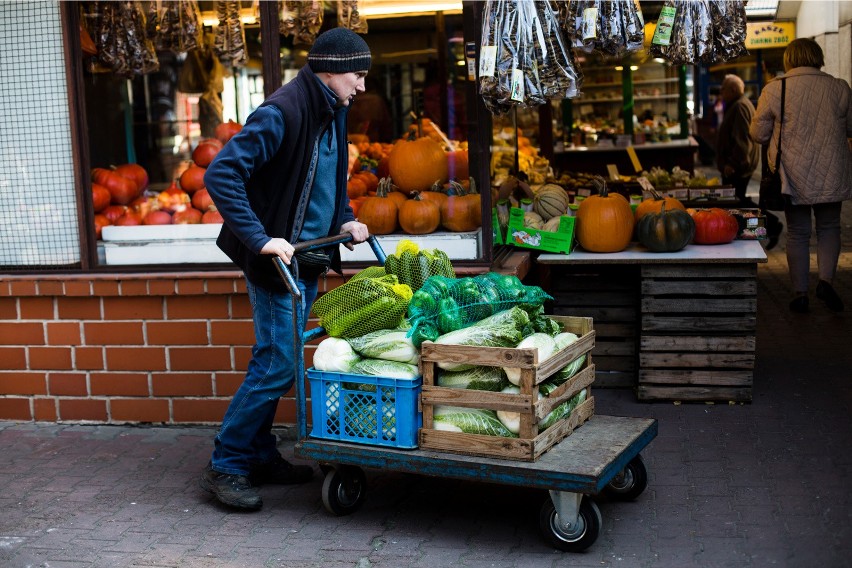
x,y
121,194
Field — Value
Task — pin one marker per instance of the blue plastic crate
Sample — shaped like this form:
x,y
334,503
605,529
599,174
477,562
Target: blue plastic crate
x,y
380,411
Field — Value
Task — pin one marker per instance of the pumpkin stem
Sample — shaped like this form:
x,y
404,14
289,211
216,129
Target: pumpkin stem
x,y
456,189
385,186
437,187
473,186
600,184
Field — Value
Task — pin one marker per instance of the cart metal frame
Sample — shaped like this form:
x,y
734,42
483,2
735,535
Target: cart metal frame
x,y
602,456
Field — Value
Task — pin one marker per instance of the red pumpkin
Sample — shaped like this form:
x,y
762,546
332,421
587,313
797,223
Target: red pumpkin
x,y
113,212
157,218
100,197
135,172
201,200
130,218
212,216
192,179
227,130
122,190
206,151
187,216
714,226
356,188
100,222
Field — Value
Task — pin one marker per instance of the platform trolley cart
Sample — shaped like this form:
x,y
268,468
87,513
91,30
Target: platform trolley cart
x,y
600,457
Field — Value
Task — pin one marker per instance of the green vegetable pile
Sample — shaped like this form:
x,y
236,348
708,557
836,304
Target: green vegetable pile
x,y
443,304
362,305
413,265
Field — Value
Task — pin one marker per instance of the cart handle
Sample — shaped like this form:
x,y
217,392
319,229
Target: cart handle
x,y
287,276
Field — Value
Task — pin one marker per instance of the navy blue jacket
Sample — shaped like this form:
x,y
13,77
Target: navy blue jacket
x,y
261,180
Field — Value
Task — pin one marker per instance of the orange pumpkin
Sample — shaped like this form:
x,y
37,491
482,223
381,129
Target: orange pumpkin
x,y
604,221
435,194
655,205
415,165
380,214
461,211
355,188
457,165
418,216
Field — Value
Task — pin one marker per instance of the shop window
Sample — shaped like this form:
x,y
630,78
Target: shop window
x,y
38,204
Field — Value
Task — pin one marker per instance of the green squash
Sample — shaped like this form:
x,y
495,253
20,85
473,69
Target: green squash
x,y
666,231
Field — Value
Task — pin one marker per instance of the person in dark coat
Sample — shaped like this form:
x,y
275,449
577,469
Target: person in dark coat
x,y
282,180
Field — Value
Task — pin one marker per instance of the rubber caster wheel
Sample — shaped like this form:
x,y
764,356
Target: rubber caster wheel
x,y
576,538
343,490
630,482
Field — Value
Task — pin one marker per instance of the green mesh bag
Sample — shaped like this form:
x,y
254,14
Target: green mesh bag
x,y
370,272
363,305
445,304
413,265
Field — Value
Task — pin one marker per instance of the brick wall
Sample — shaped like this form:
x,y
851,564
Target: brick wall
x,y
168,348
163,348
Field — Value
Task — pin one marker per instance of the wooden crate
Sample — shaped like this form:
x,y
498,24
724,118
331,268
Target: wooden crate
x,y
530,443
610,296
698,332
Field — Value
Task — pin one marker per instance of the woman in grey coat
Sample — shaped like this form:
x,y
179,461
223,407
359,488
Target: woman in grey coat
x,y
816,163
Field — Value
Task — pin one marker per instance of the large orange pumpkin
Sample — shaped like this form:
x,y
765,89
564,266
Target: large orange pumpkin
x,y
414,165
604,222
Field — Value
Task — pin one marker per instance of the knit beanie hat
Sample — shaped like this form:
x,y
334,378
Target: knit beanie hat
x,y
339,50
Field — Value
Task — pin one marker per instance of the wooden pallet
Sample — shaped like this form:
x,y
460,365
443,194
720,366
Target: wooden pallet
x,y
610,296
698,332
530,443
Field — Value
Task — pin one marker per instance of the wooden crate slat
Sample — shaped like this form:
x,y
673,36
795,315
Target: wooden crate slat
x,y
477,355
705,360
696,343
563,428
700,324
700,287
566,390
602,313
468,398
696,377
694,394
699,271
700,305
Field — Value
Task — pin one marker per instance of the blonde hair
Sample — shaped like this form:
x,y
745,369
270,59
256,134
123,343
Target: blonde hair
x,y
803,52
736,83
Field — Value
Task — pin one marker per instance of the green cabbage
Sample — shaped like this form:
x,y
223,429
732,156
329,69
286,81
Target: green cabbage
x,y
476,378
502,329
564,410
470,421
545,346
387,344
382,368
563,340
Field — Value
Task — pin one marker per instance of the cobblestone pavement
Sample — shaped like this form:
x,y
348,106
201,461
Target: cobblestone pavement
x,y
761,484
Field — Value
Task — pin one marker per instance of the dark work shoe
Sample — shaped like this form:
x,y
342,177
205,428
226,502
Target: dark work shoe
x,y
280,472
232,490
799,304
826,293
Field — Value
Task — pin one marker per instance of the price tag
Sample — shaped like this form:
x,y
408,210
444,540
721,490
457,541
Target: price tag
x,y
612,169
663,31
517,85
470,55
590,21
631,151
584,192
487,60
645,184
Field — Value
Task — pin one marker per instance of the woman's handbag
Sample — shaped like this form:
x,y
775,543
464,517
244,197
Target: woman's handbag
x,y
770,183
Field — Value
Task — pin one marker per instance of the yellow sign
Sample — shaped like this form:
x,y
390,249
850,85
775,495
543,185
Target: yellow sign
x,y
634,159
763,35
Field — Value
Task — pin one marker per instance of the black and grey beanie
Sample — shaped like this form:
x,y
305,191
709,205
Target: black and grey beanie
x,y
339,50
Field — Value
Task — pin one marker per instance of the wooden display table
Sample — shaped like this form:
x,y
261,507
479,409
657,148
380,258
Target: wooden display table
x,y
678,326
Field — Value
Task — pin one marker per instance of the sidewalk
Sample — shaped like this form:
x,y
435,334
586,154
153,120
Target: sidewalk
x,y
764,484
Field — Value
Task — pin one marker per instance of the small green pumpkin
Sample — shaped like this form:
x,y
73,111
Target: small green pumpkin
x,y
667,231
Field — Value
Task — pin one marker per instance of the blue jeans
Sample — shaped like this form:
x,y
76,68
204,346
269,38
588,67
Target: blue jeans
x,y
245,437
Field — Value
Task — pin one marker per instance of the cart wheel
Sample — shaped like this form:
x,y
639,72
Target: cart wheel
x,y
325,468
571,539
343,490
630,482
